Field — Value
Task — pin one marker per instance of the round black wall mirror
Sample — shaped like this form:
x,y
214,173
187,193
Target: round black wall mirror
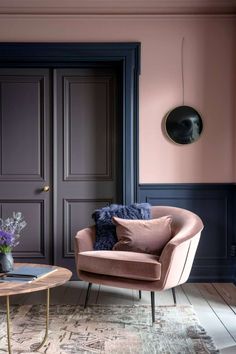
x,y
183,125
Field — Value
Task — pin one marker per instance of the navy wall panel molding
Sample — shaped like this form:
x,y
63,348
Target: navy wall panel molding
x,y
216,205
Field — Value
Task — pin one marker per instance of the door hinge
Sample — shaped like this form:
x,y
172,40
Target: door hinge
x,y
233,250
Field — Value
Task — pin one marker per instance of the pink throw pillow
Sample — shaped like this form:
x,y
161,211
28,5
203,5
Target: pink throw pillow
x,y
145,236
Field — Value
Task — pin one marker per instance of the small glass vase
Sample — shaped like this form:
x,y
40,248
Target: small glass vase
x,y
6,262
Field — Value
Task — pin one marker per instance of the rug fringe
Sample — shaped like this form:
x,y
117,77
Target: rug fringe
x,y
194,332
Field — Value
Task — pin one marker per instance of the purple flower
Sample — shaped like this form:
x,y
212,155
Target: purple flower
x,y
10,232
6,239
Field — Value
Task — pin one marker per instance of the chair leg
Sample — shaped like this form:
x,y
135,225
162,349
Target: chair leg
x,y
153,306
87,295
174,295
140,294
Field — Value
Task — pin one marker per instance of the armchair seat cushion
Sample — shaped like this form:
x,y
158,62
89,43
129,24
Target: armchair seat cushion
x,y
131,265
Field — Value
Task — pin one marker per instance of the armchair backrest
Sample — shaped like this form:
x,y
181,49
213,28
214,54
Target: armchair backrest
x,y
178,254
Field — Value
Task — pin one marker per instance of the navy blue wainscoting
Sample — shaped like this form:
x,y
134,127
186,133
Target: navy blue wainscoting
x,y
216,205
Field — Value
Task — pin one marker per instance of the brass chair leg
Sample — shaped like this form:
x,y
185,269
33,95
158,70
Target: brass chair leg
x,y
8,325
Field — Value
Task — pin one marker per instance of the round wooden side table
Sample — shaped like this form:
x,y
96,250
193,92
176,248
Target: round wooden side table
x,y
51,280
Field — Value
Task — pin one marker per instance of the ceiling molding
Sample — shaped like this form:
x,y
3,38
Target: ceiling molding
x,y
118,7
130,17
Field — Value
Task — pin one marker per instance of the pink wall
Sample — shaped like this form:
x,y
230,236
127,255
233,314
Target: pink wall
x,y
209,71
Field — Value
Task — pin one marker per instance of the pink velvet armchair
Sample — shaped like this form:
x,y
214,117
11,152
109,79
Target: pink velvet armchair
x,y
142,271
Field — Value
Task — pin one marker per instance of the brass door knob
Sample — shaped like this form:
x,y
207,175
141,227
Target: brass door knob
x,y
46,189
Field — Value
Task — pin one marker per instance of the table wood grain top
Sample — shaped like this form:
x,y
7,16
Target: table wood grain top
x,y
51,280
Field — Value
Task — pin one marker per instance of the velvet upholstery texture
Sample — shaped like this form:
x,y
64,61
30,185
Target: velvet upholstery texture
x,y
130,265
147,236
106,230
175,261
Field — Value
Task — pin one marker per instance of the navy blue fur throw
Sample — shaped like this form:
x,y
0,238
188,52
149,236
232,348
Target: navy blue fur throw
x,y
106,230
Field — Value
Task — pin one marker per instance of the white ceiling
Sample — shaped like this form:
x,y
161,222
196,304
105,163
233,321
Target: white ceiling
x,y
118,7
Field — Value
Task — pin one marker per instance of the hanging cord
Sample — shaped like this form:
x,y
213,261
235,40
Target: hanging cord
x,y
182,67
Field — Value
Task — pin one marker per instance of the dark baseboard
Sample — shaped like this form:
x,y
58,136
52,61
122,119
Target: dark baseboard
x,y
215,203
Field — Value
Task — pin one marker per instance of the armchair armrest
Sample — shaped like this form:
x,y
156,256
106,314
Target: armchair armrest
x,y
178,255
85,239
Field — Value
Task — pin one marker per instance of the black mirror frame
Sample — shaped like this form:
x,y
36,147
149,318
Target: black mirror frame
x,y
183,125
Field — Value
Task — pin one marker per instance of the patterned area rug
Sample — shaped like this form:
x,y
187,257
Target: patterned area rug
x,y
106,330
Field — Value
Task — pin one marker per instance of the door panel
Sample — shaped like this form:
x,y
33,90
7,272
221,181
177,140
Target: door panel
x,y
25,157
22,122
33,238
86,151
88,139
18,97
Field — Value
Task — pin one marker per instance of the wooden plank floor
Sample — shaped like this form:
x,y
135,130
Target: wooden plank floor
x,y
214,303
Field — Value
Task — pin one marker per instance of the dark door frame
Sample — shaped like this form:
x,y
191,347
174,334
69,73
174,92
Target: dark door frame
x,y
126,55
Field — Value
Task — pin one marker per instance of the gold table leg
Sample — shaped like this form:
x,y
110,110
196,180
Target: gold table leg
x,y
8,323
47,321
